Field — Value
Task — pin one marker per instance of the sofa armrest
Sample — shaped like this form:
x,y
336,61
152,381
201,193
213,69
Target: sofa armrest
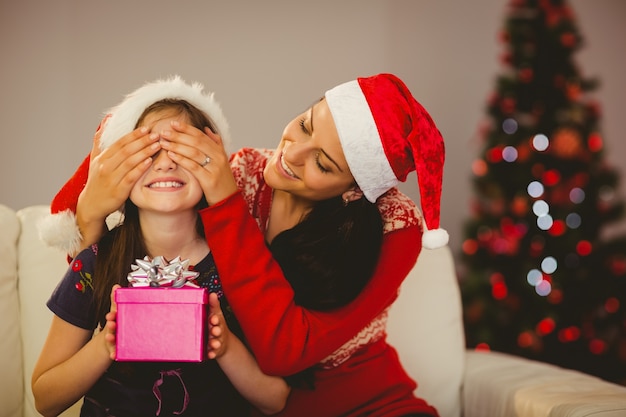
x,y
40,268
497,384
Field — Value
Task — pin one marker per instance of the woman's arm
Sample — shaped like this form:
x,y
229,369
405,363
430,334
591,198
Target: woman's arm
x,y
266,393
284,337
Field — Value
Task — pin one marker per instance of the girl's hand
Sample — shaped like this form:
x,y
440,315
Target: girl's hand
x,y
201,153
218,330
111,325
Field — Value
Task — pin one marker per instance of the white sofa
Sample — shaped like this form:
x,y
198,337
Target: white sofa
x,y
424,324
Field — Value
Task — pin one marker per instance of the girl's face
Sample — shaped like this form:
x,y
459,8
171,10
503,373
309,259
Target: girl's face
x,y
309,161
165,187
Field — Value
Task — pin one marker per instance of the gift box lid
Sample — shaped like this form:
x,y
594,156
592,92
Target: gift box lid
x,y
142,295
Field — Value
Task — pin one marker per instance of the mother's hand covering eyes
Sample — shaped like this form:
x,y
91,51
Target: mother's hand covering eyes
x,y
112,174
191,148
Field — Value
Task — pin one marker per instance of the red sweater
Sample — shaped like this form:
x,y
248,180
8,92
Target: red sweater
x,y
357,372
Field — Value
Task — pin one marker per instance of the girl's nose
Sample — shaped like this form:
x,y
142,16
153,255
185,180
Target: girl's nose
x,y
162,162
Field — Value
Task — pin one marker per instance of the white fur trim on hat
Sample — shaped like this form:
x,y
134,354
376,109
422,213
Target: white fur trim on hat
x,y
360,140
124,116
60,231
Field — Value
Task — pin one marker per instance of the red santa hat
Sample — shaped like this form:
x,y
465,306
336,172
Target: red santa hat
x,y
59,229
386,134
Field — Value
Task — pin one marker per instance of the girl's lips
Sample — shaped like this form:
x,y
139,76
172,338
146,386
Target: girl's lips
x,y
165,183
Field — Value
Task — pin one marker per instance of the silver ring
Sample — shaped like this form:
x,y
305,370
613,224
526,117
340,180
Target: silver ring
x,y
206,162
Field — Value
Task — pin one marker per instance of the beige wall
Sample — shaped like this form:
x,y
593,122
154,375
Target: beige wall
x,y
64,62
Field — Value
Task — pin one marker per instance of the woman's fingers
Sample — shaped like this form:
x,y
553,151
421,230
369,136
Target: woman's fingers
x,y
114,170
188,142
95,149
130,151
203,155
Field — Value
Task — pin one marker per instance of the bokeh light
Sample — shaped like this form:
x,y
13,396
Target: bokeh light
x,y
543,288
540,208
577,195
509,126
549,265
540,142
584,248
535,189
509,154
573,220
544,222
569,334
534,277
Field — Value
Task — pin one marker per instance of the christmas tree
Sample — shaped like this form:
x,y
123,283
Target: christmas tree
x,y
539,276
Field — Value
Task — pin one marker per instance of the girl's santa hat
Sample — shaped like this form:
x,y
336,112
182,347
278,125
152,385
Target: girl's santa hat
x,y
59,229
386,134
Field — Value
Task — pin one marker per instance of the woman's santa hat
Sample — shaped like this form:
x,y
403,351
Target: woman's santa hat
x,y
386,134
59,229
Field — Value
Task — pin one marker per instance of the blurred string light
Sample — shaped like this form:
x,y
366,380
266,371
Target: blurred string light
x,y
549,265
535,189
540,142
534,277
509,154
509,126
573,220
577,195
540,278
541,209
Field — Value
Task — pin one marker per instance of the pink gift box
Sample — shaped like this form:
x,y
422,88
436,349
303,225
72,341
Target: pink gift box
x,y
161,324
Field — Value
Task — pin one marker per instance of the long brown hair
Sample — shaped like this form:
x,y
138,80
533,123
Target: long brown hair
x,y
119,247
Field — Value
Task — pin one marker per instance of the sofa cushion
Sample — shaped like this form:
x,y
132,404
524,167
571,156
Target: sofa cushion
x,y
11,393
501,384
425,326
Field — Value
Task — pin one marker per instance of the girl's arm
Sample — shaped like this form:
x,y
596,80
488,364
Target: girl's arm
x,y
284,337
70,362
267,393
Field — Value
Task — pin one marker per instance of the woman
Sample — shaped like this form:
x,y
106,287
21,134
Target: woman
x,y
161,219
349,149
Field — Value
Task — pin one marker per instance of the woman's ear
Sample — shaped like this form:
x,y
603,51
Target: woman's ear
x,y
352,195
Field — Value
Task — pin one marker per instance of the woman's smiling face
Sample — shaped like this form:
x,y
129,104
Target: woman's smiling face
x,y
309,161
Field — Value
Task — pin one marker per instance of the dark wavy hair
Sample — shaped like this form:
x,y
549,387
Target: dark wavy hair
x,y
328,258
331,255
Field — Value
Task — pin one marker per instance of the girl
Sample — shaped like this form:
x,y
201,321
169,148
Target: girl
x,y
327,238
160,219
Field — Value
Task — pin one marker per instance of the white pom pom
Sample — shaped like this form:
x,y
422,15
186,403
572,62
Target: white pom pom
x,y
60,231
433,239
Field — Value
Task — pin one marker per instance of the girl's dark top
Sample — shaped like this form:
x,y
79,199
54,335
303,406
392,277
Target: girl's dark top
x,y
139,389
